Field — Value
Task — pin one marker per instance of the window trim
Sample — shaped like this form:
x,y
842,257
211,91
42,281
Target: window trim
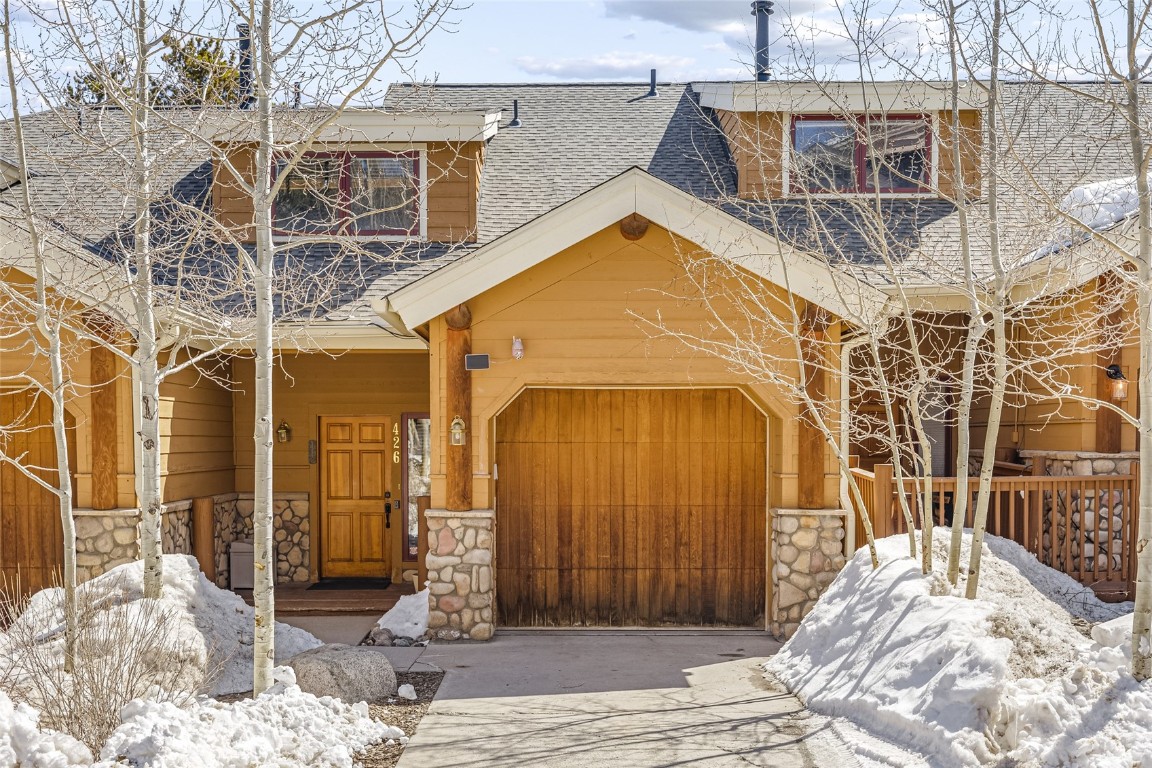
x,y
859,157
343,228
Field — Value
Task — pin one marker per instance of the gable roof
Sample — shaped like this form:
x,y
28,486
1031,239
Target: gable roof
x,y
633,191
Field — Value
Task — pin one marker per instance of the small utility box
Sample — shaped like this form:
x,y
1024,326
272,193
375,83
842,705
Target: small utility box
x,y
241,565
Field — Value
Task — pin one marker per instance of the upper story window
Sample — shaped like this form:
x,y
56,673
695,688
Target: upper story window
x,y
861,154
350,193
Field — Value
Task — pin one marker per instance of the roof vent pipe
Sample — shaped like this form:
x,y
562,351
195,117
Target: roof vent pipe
x,y
246,97
652,85
762,9
296,95
515,114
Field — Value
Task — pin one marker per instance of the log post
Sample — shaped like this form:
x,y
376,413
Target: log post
x,y
811,439
104,431
458,401
204,535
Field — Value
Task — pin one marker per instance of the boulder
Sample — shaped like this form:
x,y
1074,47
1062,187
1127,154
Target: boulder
x,y
380,636
351,674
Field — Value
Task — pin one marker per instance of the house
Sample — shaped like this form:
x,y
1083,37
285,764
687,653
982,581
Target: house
x,y
488,379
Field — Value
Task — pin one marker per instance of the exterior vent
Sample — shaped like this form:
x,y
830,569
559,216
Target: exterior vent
x,y
762,9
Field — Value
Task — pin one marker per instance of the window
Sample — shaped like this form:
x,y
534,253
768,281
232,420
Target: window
x,y
350,193
860,154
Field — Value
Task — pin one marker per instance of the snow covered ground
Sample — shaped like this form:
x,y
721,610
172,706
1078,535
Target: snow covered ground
x,y
1013,676
212,629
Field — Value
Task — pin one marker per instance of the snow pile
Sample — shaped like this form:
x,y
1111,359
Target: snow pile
x,y
22,743
284,727
409,617
1010,676
211,628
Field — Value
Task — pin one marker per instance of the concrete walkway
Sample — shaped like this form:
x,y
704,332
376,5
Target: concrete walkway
x,y
626,699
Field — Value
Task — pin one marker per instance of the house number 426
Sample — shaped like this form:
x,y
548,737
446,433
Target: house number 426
x,y
395,443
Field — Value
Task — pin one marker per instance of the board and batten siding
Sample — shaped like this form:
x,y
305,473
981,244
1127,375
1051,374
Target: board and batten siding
x,y
195,436
453,188
756,141
585,316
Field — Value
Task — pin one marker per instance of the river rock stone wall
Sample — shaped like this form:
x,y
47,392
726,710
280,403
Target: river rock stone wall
x,y
232,515
807,553
461,586
108,538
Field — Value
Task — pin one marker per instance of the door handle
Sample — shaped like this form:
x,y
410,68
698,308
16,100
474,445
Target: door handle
x,y
387,514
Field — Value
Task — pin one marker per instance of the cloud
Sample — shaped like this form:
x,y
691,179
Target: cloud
x,y
630,35
605,66
691,15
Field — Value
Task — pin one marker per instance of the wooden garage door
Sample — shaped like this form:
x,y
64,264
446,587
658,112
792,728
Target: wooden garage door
x,y
31,541
630,507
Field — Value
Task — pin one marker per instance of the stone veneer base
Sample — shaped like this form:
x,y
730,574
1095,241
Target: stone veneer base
x,y
461,583
807,553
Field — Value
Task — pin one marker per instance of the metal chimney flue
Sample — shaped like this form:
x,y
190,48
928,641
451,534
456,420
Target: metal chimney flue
x,y
515,123
652,85
246,74
762,9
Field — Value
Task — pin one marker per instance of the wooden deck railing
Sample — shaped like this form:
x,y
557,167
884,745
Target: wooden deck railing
x,y
1085,527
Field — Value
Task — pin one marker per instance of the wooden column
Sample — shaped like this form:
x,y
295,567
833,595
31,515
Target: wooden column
x,y
1108,422
204,535
458,402
812,443
104,430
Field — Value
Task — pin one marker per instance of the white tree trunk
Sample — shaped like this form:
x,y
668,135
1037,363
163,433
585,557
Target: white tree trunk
x,y
264,584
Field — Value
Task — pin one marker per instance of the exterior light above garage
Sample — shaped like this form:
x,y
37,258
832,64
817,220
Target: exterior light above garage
x,y
517,348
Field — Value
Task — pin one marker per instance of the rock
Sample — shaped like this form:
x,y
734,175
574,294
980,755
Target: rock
x,y
380,636
406,691
805,538
402,642
346,673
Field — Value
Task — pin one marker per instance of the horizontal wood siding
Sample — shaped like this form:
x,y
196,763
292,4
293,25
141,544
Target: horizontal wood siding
x,y
196,436
628,507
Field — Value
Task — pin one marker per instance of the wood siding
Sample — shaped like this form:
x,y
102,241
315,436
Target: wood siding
x,y
196,436
971,148
631,507
453,190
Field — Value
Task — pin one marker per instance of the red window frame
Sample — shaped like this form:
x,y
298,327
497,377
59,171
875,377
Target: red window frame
x,y
860,155
344,225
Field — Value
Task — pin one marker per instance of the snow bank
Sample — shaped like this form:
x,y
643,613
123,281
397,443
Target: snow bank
x,y
1012,675
409,617
284,727
24,745
212,627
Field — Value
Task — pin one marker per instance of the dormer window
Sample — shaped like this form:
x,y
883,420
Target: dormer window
x,y
350,193
861,154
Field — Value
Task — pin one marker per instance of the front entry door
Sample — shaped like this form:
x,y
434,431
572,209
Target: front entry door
x,y
354,478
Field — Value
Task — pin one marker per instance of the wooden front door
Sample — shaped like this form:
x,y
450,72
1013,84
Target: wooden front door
x,y
631,507
355,474
31,537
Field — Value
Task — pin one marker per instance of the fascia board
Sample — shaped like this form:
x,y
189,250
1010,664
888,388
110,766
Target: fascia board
x,y
334,336
373,125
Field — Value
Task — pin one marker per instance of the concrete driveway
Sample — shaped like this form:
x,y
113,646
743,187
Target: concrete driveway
x,y
615,698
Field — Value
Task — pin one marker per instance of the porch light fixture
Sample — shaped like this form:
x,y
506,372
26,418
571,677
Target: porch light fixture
x,y
283,432
1119,384
517,348
457,431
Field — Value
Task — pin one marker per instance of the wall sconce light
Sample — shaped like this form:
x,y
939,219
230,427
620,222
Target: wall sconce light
x,y
517,348
457,431
1119,384
283,432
